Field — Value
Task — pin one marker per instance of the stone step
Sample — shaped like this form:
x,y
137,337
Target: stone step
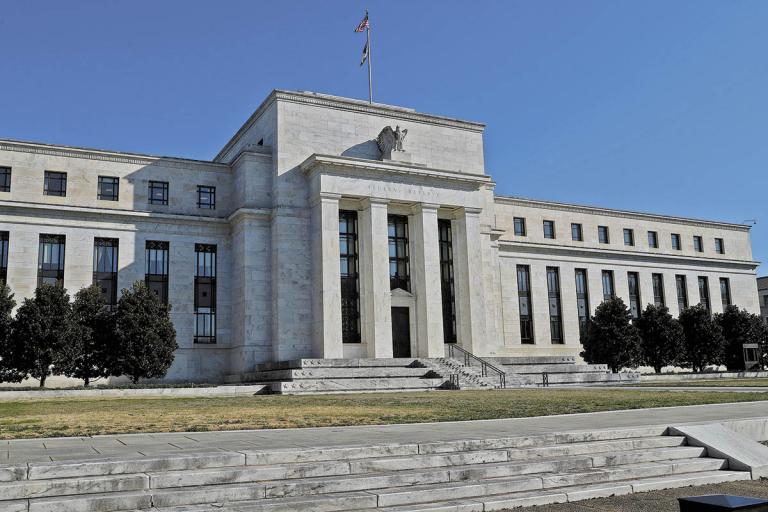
x,y
380,372
336,363
70,486
596,447
355,385
552,369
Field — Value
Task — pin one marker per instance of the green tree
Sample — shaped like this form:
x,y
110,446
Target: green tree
x,y
611,338
703,344
88,355
40,331
145,334
739,326
7,372
661,337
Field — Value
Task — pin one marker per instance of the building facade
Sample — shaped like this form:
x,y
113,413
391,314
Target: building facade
x,y
762,292
332,228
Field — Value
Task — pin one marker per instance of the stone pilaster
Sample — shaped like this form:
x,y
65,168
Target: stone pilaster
x,y
470,299
425,267
375,298
326,292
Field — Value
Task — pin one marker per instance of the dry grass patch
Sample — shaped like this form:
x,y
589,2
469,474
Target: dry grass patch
x,y
69,417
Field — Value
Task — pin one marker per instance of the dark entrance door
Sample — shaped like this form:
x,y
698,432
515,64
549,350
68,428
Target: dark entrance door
x,y
401,333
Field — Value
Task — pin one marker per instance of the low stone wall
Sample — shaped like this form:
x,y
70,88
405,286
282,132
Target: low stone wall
x,y
677,377
255,389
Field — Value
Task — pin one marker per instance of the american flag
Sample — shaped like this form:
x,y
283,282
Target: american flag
x,y
363,24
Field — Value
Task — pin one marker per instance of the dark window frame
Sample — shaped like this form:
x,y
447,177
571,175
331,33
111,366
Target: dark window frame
x,y
582,299
447,278
115,193
633,283
157,255
519,222
398,238
629,237
549,228
105,266
349,256
676,242
163,187
653,239
525,304
5,179
681,283
205,294
51,268
725,292
4,246
698,243
577,232
658,289
609,291
556,334
55,184
719,246
208,191
704,297
603,234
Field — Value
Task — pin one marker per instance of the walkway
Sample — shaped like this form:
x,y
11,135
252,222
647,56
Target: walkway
x,y
139,445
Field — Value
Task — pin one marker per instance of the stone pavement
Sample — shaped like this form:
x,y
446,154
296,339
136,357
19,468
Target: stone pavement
x,y
138,445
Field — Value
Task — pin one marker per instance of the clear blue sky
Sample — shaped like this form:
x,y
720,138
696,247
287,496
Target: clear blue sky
x,y
649,105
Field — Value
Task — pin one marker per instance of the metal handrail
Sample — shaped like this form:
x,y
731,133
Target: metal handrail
x,y
484,365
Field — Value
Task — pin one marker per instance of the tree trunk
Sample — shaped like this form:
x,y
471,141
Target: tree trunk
x,y
135,379
42,381
87,381
657,369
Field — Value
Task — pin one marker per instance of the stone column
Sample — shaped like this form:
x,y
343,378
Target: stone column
x,y
425,266
375,298
326,279
468,268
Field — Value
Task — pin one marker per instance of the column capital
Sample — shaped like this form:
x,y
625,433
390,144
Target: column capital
x,y
370,201
426,207
325,197
469,211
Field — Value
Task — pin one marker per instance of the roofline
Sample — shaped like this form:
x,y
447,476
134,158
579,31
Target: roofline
x,y
96,154
523,201
341,103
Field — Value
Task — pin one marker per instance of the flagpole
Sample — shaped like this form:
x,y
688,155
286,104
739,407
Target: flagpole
x,y
370,83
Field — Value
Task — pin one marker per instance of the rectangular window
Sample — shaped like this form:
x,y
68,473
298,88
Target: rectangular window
x,y
608,289
5,179
105,268
634,293
519,226
3,257
526,305
676,242
719,246
653,240
549,229
725,292
399,260
704,292
50,260
658,289
555,309
698,245
55,184
682,292
582,300
157,256
350,279
109,188
158,192
205,293
603,234
206,197
576,233
629,237
446,281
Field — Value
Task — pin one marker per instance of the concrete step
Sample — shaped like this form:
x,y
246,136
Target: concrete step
x,y
336,363
380,372
355,385
552,369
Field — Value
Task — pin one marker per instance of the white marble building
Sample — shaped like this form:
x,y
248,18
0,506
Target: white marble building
x,y
762,291
430,253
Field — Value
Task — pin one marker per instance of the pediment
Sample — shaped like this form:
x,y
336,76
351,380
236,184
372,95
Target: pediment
x,y
399,292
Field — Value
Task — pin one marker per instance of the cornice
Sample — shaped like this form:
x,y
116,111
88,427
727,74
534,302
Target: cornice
x,y
106,214
349,166
613,254
107,156
594,210
351,105
250,213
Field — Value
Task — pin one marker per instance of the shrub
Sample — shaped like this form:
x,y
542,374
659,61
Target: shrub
x,y
7,373
703,342
611,338
90,349
661,337
40,331
145,334
739,326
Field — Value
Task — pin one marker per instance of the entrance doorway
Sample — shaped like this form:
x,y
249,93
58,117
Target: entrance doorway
x,y
401,333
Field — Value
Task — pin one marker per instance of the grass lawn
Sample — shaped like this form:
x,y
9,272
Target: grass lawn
x,y
755,382
69,417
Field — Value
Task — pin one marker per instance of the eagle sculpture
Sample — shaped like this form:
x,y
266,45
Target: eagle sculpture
x,y
390,140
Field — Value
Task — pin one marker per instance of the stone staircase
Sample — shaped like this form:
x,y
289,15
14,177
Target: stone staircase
x,y
561,370
468,475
